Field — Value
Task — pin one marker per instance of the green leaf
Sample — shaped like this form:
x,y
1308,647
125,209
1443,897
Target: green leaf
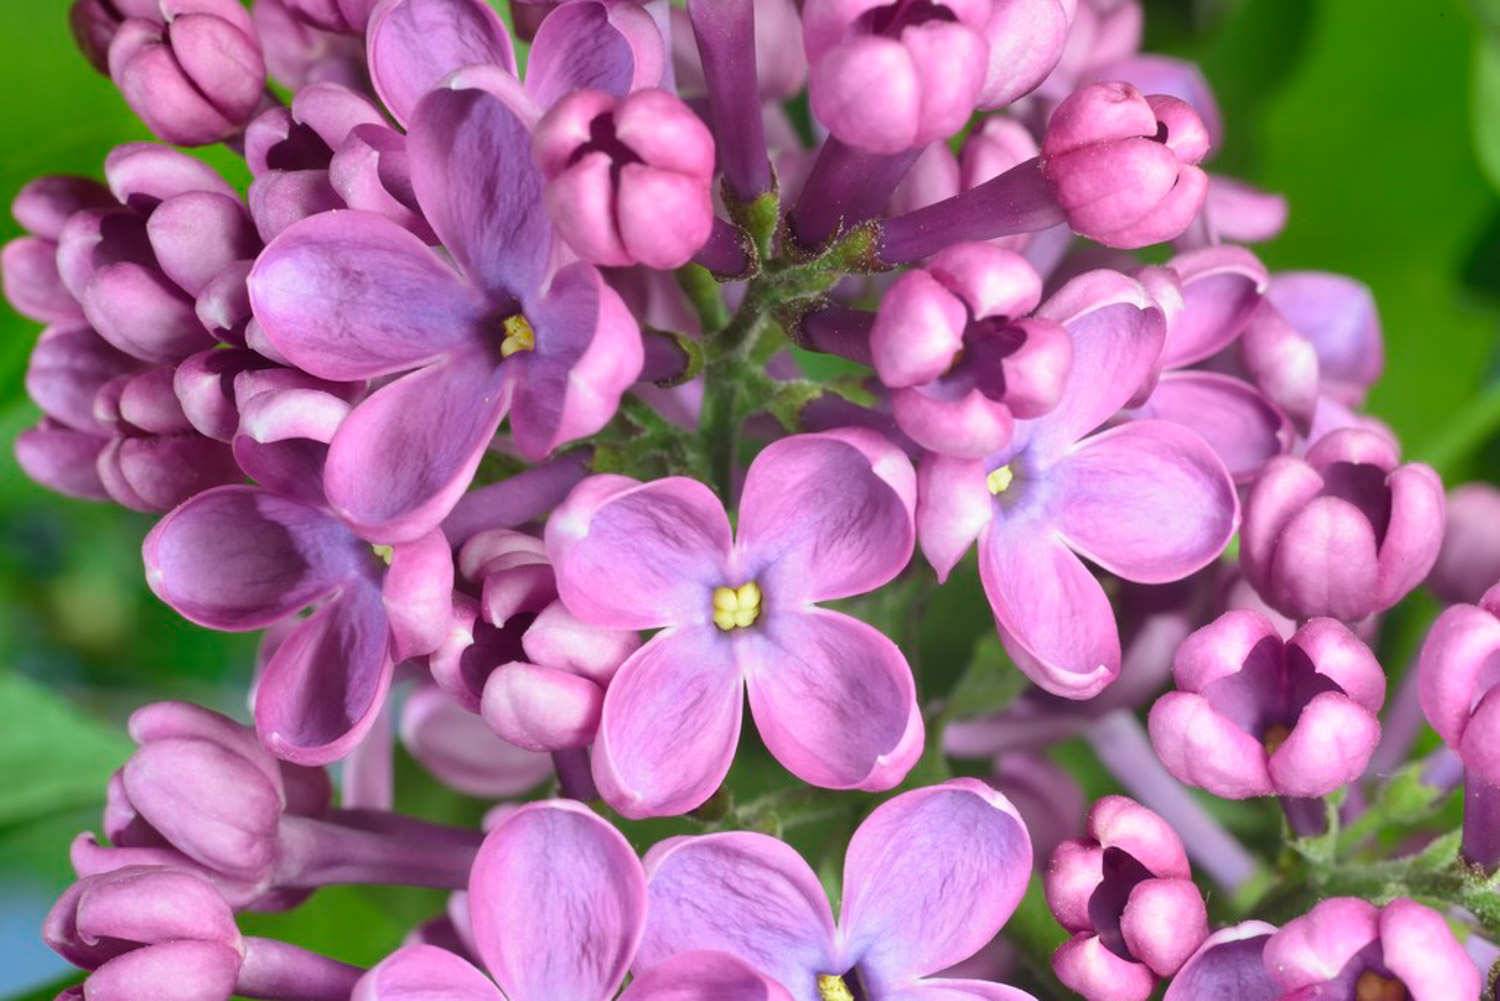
x,y
65,757
990,682
1486,104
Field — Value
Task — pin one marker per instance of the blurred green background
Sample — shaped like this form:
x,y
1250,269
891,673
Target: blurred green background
x,y
1380,122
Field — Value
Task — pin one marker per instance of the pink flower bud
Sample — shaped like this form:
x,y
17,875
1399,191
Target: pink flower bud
x,y
963,360
1124,166
1345,531
628,179
1125,892
1255,716
1457,683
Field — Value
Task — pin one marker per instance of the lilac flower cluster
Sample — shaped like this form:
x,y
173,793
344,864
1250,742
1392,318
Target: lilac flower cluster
x,y
548,394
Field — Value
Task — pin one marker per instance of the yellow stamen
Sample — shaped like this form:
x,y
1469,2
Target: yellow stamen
x,y
386,553
1371,986
736,607
832,988
1275,735
518,336
999,481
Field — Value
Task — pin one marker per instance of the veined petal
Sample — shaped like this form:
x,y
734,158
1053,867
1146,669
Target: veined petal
x,y
931,876
703,975
424,973
777,919
579,892
826,516
1244,429
833,698
670,724
352,295
413,44
577,48
1148,501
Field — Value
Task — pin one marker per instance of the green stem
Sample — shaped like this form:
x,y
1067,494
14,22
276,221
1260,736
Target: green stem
x,y
1476,425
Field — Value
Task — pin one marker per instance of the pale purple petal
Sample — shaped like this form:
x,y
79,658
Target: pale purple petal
x,y
1227,967
825,516
636,556
479,187
351,295
424,973
1117,332
933,989
702,975
670,724
404,456
1338,315
238,558
325,685
62,459
833,699
558,901
1149,501
1244,429
413,44
577,48
461,752
954,506
776,918
930,877
1221,288
68,366
1033,582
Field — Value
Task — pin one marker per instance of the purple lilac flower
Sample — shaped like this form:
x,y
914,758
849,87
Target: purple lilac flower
x,y
929,878
299,52
1457,678
462,752
1347,948
1147,500
1228,966
238,558
351,295
1254,715
821,517
582,890
151,931
1345,531
1125,892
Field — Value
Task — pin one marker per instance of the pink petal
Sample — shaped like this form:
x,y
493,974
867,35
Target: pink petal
x,y
833,699
351,295
954,506
630,555
1148,501
62,459
541,708
461,752
825,516
473,174
1202,748
238,558
1418,946
1318,946
405,455
931,876
577,48
670,724
424,973
1244,429
1221,288
326,683
1327,749
413,44
777,919
1033,581
702,975
582,892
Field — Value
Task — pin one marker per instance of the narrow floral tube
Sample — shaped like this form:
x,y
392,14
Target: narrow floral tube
x,y
725,33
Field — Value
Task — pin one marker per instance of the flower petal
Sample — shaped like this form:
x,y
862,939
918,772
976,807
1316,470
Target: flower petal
x,y
634,555
670,724
413,45
1033,582
456,747
954,505
931,876
1148,501
1328,748
479,187
326,683
577,48
238,558
1203,748
776,917
1317,947
424,973
1227,967
825,516
1418,946
579,893
351,295
833,699
1244,429
404,456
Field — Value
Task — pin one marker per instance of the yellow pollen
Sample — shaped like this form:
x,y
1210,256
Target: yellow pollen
x,y
736,607
386,553
1371,986
999,481
832,988
1275,735
518,336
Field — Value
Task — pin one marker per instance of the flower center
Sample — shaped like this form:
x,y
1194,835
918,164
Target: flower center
x,y
1275,735
1371,986
1000,480
831,987
518,336
386,553
737,608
